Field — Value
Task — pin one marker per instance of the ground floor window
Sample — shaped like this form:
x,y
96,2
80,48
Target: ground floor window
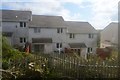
x,y
22,40
58,45
89,50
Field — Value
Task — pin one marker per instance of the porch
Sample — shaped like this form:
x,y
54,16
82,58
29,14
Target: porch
x,y
79,48
42,45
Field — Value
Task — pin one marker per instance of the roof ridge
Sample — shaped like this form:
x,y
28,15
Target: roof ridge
x,y
15,10
78,21
110,24
46,15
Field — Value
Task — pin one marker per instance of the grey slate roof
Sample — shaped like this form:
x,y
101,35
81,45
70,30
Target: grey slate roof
x,y
41,40
110,33
79,27
77,45
15,15
46,21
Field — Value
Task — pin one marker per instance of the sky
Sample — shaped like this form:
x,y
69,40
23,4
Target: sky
x,y
99,13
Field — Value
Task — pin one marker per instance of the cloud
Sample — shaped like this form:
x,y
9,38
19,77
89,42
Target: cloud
x,y
103,11
44,8
37,8
68,17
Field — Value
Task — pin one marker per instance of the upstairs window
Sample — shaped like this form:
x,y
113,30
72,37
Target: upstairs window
x,y
58,45
72,35
59,30
90,35
37,30
22,24
21,40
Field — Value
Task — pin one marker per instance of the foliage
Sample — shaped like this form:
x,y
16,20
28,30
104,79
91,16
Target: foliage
x,y
19,65
8,53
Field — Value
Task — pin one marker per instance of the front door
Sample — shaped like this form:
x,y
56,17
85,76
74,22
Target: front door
x,y
39,47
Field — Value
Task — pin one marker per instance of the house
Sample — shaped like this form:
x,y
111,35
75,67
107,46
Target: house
x,y
15,26
48,34
81,37
109,36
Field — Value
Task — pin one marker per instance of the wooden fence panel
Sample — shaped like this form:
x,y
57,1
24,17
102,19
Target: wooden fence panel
x,y
73,67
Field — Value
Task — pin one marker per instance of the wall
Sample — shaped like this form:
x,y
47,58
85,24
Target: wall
x,y
17,31
48,48
50,33
63,38
83,38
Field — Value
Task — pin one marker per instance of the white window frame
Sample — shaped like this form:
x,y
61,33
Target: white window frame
x,y
90,50
58,45
23,24
90,35
71,36
23,39
59,30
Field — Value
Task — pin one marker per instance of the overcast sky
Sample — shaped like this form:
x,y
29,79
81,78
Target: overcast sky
x,y
99,13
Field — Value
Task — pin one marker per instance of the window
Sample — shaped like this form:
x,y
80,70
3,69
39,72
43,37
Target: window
x,y
90,35
72,35
58,45
89,50
36,30
59,30
22,24
22,39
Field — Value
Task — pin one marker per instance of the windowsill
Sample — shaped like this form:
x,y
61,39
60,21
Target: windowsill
x,y
71,38
58,48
